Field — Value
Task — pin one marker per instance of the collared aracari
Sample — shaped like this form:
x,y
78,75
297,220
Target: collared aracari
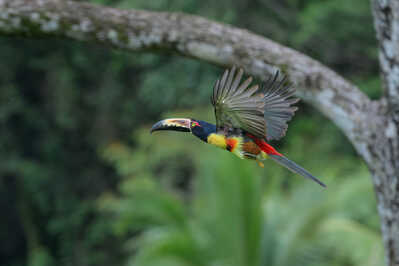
x,y
247,117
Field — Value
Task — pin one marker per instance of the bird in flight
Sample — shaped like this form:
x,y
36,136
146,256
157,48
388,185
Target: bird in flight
x,y
247,118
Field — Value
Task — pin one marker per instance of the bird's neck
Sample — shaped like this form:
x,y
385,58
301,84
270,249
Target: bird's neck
x,y
204,130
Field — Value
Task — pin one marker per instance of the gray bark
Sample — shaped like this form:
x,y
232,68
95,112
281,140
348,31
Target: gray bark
x,y
386,21
385,152
372,126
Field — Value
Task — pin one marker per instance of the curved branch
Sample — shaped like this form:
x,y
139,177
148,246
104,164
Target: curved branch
x,y
374,134
191,36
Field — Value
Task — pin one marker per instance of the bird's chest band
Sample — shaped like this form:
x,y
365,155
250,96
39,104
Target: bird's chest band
x,y
232,144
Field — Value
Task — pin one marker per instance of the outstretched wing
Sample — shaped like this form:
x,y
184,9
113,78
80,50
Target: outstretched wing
x,y
278,110
237,105
261,112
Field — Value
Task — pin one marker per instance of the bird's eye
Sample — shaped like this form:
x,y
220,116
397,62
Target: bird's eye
x,y
194,124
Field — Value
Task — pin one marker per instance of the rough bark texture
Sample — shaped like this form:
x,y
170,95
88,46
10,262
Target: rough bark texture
x,y
372,126
385,152
386,21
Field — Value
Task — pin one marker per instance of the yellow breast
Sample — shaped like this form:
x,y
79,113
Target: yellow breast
x,y
217,140
232,144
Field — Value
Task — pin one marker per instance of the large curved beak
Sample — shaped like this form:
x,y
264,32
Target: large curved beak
x,y
176,124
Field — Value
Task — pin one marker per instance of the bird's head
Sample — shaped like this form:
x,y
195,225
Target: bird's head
x,y
198,128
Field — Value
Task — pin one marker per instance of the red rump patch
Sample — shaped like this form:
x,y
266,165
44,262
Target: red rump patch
x,y
264,146
231,144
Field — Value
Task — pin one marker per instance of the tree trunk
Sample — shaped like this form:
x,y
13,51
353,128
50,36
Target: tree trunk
x,y
371,126
378,144
384,161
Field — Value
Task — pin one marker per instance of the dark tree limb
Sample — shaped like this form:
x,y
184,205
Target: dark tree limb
x,y
372,126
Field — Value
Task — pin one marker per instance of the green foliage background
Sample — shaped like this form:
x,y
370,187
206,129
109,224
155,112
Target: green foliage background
x,y
83,183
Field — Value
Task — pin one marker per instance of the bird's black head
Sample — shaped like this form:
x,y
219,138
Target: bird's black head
x,y
202,129
199,128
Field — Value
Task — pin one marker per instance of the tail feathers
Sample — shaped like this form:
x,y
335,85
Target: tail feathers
x,y
290,165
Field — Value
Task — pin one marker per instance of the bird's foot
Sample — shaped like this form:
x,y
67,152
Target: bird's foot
x,y
260,164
